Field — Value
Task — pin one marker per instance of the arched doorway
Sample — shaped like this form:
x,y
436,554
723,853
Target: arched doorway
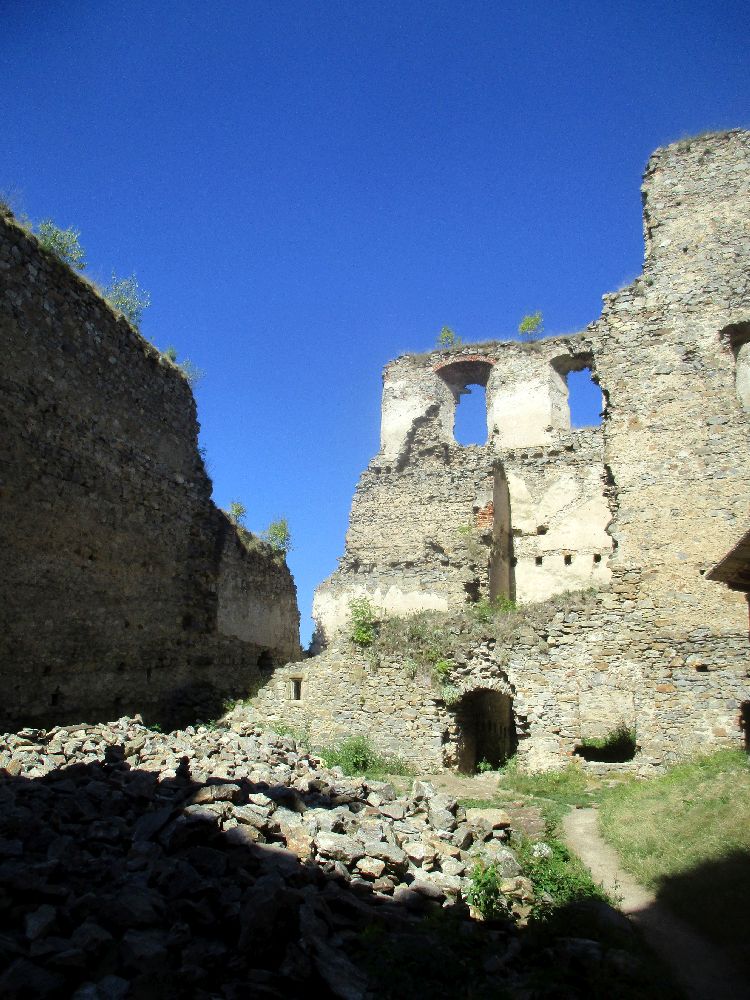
x,y
486,729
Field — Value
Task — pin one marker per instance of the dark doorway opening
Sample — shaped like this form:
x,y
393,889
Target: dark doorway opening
x,y
486,730
265,661
745,723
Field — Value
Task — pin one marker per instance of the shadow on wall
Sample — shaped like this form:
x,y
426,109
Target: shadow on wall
x,y
122,885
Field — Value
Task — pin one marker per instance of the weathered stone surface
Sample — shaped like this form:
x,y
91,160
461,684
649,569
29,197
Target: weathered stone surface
x,y
496,819
339,847
159,606
637,509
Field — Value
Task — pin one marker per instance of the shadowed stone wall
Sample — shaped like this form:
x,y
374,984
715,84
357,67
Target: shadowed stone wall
x,y
119,575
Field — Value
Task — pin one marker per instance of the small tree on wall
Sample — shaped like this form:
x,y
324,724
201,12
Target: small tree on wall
x,y
531,326
278,535
447,339
237,512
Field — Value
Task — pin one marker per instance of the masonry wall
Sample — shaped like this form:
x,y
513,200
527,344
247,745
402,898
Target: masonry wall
x,y
577,673
116,564
423,532
659,493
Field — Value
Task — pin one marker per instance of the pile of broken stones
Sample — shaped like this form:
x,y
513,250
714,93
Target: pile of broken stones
x,y
231,863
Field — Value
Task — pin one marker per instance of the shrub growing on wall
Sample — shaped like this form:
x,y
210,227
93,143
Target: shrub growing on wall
x,y
127,297
363,622
278,535
63,243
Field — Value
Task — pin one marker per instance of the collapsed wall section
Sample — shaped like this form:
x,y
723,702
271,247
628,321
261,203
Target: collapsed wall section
x,y
119,573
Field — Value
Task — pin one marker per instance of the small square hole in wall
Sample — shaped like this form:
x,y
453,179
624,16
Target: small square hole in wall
x,y
597,557
568,560
538,561
296,689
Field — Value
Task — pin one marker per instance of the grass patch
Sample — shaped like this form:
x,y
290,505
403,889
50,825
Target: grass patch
x,y
429,643
356,757
617,746
686,836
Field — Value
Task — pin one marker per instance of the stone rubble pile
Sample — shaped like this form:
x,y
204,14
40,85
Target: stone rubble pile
x,y
220,863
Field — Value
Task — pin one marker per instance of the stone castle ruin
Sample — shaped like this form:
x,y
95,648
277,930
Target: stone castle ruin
x,y
125,590
608,532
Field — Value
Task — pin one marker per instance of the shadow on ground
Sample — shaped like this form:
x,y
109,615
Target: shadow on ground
x,y
116,884
714,898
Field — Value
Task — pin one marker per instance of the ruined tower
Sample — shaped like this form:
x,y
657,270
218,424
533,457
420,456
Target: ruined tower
x,y
638,509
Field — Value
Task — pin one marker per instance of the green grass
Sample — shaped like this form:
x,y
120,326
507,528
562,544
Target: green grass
x,y
429,643
686,836
356,757
618,745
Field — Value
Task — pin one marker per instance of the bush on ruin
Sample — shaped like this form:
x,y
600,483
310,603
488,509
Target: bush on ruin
x,y
125,295
63,243
278,536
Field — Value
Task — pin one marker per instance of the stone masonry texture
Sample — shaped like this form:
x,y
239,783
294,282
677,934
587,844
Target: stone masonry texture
x,y
630,515
123,587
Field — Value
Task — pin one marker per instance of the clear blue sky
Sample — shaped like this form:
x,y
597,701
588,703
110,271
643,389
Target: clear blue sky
x,y
309,189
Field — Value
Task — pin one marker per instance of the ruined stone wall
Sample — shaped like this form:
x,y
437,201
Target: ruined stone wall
x,y
423,530
656,497
578,674
676,434
119,574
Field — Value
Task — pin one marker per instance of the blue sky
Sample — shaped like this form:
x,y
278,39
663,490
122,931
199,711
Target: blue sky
x,y
308,190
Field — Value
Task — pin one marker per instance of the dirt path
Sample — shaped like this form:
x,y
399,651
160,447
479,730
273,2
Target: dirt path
x,y
699,968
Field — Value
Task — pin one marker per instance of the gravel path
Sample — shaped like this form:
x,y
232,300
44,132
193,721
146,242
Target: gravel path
x,y
699,968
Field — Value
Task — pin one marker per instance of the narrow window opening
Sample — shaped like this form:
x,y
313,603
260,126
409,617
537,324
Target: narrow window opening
x,y
597,557
296,689
538,561
471,416
584,399
568,560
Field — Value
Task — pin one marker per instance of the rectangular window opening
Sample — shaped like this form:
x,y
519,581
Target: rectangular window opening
x,y
568,560
296,689
538,561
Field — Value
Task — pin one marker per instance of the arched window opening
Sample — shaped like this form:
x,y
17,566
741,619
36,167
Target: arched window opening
x,y
467,381
471,416
584,399
738,336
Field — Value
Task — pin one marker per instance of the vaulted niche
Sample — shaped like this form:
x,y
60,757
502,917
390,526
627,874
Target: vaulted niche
x,y
486,730
738,337
467,381
577,399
